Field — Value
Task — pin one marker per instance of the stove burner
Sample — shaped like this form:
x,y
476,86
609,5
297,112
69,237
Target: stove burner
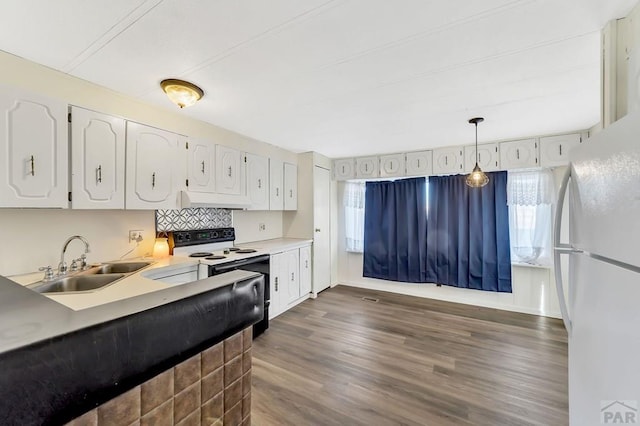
x,y
233,249
246,251
217,257
200,254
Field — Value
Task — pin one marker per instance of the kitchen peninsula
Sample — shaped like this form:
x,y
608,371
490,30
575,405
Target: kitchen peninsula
x,y
182,351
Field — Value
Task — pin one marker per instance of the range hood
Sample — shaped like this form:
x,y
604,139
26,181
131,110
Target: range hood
x,y
204,199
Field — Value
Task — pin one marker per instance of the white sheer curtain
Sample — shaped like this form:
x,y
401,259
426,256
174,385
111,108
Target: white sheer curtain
x,y
531,196
354,216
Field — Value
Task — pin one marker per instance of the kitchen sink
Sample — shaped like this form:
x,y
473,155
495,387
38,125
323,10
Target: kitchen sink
x,y
117,268
76,283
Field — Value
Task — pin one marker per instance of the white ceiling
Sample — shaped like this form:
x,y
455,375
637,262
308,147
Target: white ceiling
x,y
340,77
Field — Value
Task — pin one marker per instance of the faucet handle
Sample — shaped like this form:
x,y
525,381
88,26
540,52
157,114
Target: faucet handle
x,y
48,273
83,261
74,265
62,268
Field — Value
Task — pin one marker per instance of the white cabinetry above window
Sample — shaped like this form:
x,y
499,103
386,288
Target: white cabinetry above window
x,y
344,169
34,146
448,161
392,165
554,150
367,167
97,160
419,163
519,154
488,157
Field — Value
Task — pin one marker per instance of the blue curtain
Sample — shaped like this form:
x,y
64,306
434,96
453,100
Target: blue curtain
x,y
395,230
468,233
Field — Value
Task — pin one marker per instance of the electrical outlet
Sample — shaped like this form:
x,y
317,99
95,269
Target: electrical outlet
x,y
135,235
262,227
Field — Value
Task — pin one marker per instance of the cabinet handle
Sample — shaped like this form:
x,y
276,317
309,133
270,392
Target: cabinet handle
x,y
317,229
229,173
153,180
366,167
276,283
259,183
343,170
418,163
517,153
306,264
560,149
202,167
33,166
292,277
99,174
446,160
277,192
291,193
479,157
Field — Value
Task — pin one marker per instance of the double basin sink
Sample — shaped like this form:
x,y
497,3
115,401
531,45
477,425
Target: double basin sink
x,y
90,279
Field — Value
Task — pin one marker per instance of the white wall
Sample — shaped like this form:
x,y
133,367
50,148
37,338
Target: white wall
x,y
32,238
247,225
533,288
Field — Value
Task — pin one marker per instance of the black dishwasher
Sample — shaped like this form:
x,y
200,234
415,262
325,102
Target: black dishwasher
x,y
254,264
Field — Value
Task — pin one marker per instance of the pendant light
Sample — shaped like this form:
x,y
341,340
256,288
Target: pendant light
x,y
181,93
477,178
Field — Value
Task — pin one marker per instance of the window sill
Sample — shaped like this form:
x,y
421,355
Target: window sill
x,y
529,265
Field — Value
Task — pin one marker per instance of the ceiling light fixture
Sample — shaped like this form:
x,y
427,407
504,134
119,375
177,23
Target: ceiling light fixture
x,y
181,93
477,178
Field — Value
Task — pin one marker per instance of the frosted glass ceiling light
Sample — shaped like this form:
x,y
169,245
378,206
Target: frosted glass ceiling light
x,y
477,178
181,93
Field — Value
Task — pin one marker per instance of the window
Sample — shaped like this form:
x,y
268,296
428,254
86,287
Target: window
x,y
531,196
354,216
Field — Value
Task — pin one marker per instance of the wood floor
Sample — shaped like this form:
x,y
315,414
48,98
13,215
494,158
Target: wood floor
x,y
342,360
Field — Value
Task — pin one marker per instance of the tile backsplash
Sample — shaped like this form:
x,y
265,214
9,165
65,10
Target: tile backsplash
x,y
190,219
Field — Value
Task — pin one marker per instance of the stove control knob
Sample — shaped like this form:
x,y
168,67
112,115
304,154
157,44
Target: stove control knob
x,y
188,236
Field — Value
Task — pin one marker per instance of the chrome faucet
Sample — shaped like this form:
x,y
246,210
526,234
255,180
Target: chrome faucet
x,y
62,267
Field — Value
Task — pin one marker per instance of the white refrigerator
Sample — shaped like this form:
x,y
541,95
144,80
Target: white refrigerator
x,y
602,309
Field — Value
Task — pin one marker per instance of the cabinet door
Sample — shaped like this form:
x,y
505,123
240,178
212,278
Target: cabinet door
x,y
448,161
419,163
519,154
344,169
201,166
228,178
97,160
155,164
488,157
554,150
257,181
293,275
305,270
276,266
392,165
33,150
367,167
276,182
290,186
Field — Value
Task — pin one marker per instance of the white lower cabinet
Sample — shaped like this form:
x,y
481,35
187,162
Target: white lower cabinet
x,y
289,278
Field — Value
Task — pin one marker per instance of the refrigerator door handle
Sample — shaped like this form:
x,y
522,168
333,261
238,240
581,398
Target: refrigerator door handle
x,y
559,249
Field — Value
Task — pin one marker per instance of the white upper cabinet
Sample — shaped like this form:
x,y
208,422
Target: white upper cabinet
x,y
367,167
33,150
419,163
257,181
228,179
305,270
448,161
392,165
290,186
156,167
201,165
344,169
519,154
554,150
97,160
488,157
276,183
